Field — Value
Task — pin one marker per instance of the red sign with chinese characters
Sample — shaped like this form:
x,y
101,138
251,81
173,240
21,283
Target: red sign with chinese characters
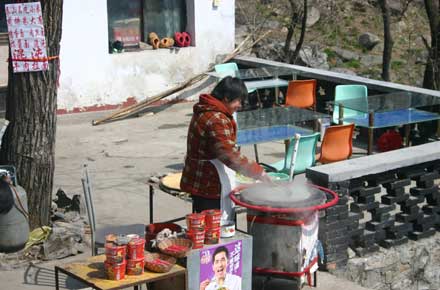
x,y
26,37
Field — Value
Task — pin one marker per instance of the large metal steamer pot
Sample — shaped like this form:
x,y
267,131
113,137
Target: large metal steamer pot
x,y
285,233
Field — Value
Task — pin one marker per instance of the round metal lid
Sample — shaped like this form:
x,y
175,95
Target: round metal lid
x,y
282,195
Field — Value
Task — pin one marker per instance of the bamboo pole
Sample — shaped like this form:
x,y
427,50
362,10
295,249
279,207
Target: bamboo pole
x,y
139,107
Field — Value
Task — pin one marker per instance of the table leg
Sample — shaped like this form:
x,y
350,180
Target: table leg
x,y
151,193
407,134
438,128
370,132
256,153
315,279
286,145
370,141
57,283
277,94
341,114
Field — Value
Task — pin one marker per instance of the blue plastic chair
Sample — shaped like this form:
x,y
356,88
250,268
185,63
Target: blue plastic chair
x,y
229,69
305,157
345,92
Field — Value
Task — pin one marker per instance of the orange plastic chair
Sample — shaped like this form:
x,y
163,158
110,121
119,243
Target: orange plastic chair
x,y
337,144
301,94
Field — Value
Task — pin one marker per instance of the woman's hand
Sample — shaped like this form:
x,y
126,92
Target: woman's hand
x,y
265,178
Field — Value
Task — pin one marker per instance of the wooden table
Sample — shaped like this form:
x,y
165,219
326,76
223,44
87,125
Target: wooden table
x,y
91,272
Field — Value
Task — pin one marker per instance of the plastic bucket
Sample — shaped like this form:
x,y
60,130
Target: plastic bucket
x,y
115,250
212,217
278,176
197,236
228,230
195,220
212,235
115,271
135,266
135,249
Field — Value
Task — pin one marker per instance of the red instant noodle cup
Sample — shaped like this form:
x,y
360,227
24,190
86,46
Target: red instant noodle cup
x,y
135,267
136,249
212,217
212,235
115,271
197,236
112,249
195,220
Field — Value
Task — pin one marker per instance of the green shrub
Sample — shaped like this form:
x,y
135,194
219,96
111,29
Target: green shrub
x,y
352,64
397,64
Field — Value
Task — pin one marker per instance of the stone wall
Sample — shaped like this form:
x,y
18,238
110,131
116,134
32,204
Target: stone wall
x,y
412,266
386,200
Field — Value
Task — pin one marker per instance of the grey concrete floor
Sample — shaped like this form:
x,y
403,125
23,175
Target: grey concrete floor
x,y
121,156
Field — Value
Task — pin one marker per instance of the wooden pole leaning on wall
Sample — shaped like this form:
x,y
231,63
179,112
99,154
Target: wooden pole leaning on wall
x,y
141,106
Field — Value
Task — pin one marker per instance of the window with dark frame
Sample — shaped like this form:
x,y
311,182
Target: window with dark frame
x,y
131,21
3,23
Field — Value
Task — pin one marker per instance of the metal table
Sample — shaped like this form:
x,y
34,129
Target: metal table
x,y
277,123
389,110
260,78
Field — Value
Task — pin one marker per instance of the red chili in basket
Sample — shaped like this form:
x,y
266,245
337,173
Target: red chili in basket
x,y
161,262
176,248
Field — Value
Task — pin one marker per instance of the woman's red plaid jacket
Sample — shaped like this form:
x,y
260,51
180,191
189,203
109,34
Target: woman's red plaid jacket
x,y
212,134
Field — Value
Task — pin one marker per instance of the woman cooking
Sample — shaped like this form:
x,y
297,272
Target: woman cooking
x,y
212,157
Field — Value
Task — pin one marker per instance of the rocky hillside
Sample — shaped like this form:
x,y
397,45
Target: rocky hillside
x,y
343,35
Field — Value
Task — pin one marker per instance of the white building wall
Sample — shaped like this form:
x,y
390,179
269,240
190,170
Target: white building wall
x,y
4,54
91,76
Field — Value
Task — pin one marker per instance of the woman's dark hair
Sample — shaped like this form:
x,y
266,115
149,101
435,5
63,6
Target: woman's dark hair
x,y
231,89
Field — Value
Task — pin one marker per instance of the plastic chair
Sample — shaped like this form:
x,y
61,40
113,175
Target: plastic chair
x,y
229,69
337,144
98,234
345,92
305,156
301,94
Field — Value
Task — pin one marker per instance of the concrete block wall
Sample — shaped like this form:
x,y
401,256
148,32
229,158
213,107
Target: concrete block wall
x,y
385,199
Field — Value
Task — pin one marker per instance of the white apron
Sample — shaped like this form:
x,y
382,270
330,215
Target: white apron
x,y
227,182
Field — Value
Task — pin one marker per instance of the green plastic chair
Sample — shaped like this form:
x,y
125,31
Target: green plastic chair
x,y
345,92
305,157
229,69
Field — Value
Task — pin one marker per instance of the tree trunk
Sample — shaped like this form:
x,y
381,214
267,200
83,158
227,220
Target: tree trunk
x,y
31,104
303,33
290,31
431,79
388,40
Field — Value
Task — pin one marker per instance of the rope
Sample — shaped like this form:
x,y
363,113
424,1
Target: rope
x,y
49,58
22,210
